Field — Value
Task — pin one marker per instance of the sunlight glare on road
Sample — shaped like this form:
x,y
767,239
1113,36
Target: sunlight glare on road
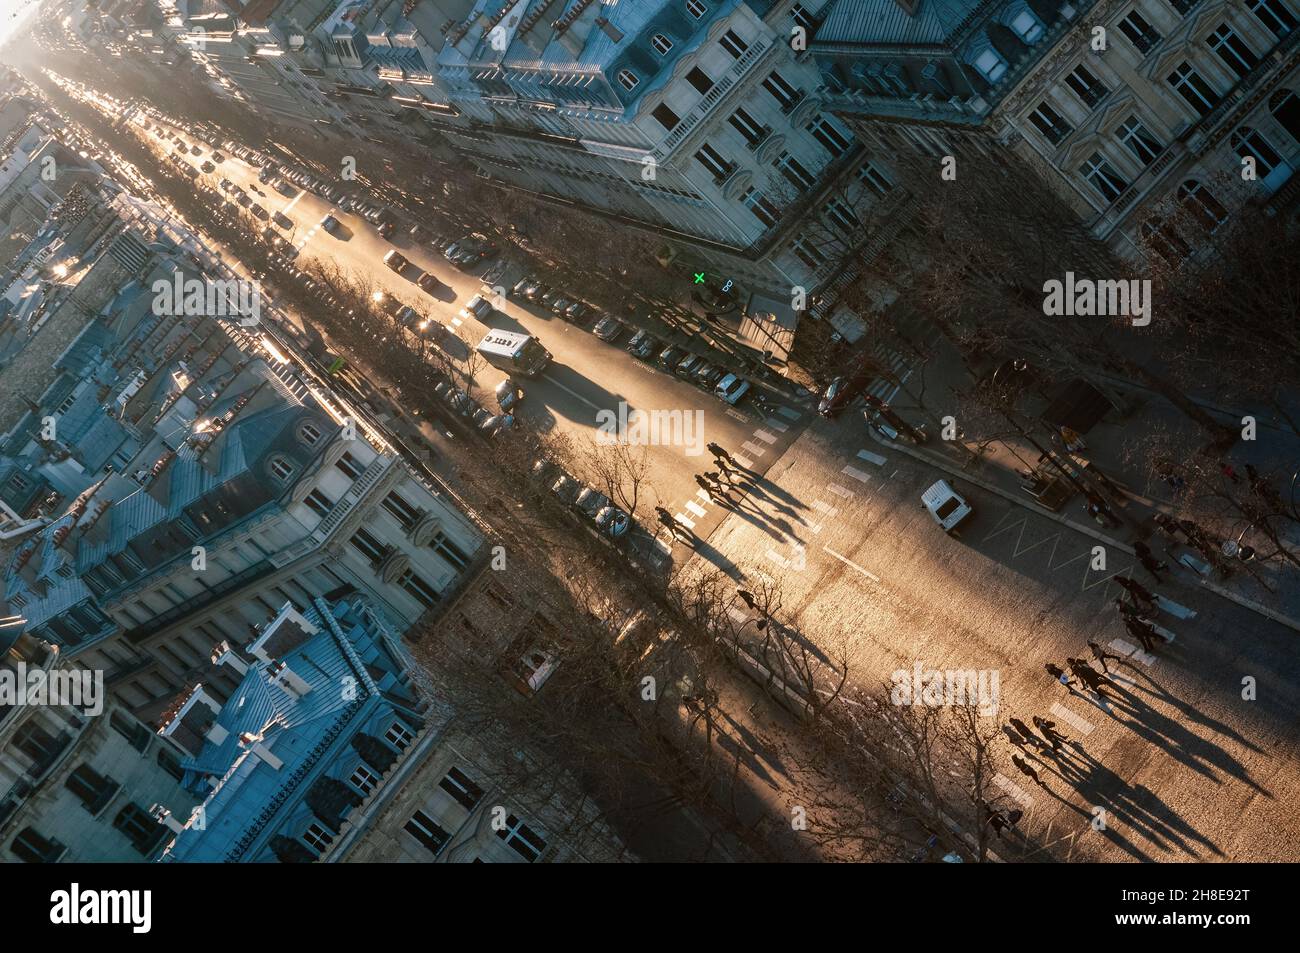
x,y
16,15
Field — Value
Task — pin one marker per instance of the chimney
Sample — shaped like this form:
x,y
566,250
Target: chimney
x,y
223,654
286,678
260,751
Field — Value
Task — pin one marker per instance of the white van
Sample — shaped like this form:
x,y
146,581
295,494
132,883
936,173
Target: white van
x,y
946,505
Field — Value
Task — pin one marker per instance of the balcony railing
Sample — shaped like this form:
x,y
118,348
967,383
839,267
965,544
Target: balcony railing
x,y
753,144
713,97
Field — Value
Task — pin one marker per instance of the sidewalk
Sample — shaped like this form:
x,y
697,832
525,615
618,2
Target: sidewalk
x,y
1115,446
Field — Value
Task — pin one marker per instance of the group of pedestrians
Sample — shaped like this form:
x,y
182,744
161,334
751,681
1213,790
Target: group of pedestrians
x,y
717,484
1047,740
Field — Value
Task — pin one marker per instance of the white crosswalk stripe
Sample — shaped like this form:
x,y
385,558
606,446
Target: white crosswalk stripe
x,y
824,508
788,413
870,457
742,462
856,474
1132,652
686,521
777,558
753,449
840,491
736,615
777,425
1016,792
695,508
734,413
764,436
1080,725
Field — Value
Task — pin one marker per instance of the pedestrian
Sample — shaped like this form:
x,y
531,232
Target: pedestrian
x,y
1101,654
1048,728
1148,560
670,521
1025,769
1142,629
1126,610
1014,738
1059,675
746,597
1136,589
1025,732
719,453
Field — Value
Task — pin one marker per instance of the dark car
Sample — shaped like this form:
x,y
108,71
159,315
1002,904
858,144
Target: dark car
x,y
508,395
578,313
706,375
521,286
547,298
535,289
386,229
566,488
686,367
643,345
560,305
259,211
670,357
840,392
396,261
608,328
590,502
428,282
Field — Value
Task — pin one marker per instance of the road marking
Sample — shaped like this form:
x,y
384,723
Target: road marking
x,y
764,436
1080,725
567,390
1132,651
787,413
826,508
870,457
732,412
737,615
742,462
850,562
753,448
695,508
686,521
777,425
840,491
815,528
1016,791
663,546
856,474
1175,609
285,210
703,494
777,558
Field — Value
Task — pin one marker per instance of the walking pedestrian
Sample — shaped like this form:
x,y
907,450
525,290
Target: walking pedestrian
x,y
719,453
1025,732
1048,728
746,597
1135,588
1026,770
1059,675
1126,609
678,531
1149,561
1015,738
1142,629
1101,654
714,493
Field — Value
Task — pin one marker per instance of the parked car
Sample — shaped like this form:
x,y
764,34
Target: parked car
x,y
498,424
566,489
396,261
706,375
218,157
329,223
608,328
547,298
508,395
224,185
481,416
544,472
687,366
408,317
670,357
208,166
731,388
284,221
643,345
477,307
535,289
386,229
945,505
840,392
260,212
578,313
520,286
590,502
560,305
613,522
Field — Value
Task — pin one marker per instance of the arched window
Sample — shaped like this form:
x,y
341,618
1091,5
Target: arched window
x,y
661,44
1285,107
281,468
1203,206
628,79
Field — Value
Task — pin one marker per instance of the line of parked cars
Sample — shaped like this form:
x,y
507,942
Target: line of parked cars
x,y
583,501
487,423
568,307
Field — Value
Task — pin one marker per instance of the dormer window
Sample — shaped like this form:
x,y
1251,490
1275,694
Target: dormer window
x,y
990,65
696,8
1026,26
628,79
282,469
309,434
661,44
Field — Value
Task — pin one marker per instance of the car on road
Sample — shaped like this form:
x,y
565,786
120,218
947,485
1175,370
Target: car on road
x,y
578,313
687,367
590,502
395,261
284,188
706,375
498,424
434,330
547,298
477,307
427,282
208,166
535,289
260,212
670,357
386,229
243,199
470,250
329,223
608,328
224,185
521,286
560,305
945,505
195,151
840,392
408,317
731,388
643,345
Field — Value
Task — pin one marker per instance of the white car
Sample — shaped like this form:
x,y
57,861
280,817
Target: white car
x,y
731,388
476,307
946,505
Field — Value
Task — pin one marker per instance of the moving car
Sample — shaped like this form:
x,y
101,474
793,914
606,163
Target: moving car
x,y
840,392
329,223
945,505
731,388
396,261
477,307
427,282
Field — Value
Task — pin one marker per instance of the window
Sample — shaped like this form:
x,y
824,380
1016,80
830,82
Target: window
x,y
372,548
1164,240
1274,15
170,762
66,571
713,161
317,837
19,483
424,593
1203,206
319,503
807,252
990,65
874,179
143,829
399,736
522,839
699,79
402,511
92,789
781,91
40,746
830,137
795,172
1230,48
841,216
281,468
463,790
1103,177
1139,140
661,44
1141,34
1026,26
17,602
733,44
665,116
1050,123
1183,6
427,831
1248,143
1088,87
363,779
749,127
802,17
1194,90
449,551
350,466
696,8
309,434
31,848
763,210
130,729
628,79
